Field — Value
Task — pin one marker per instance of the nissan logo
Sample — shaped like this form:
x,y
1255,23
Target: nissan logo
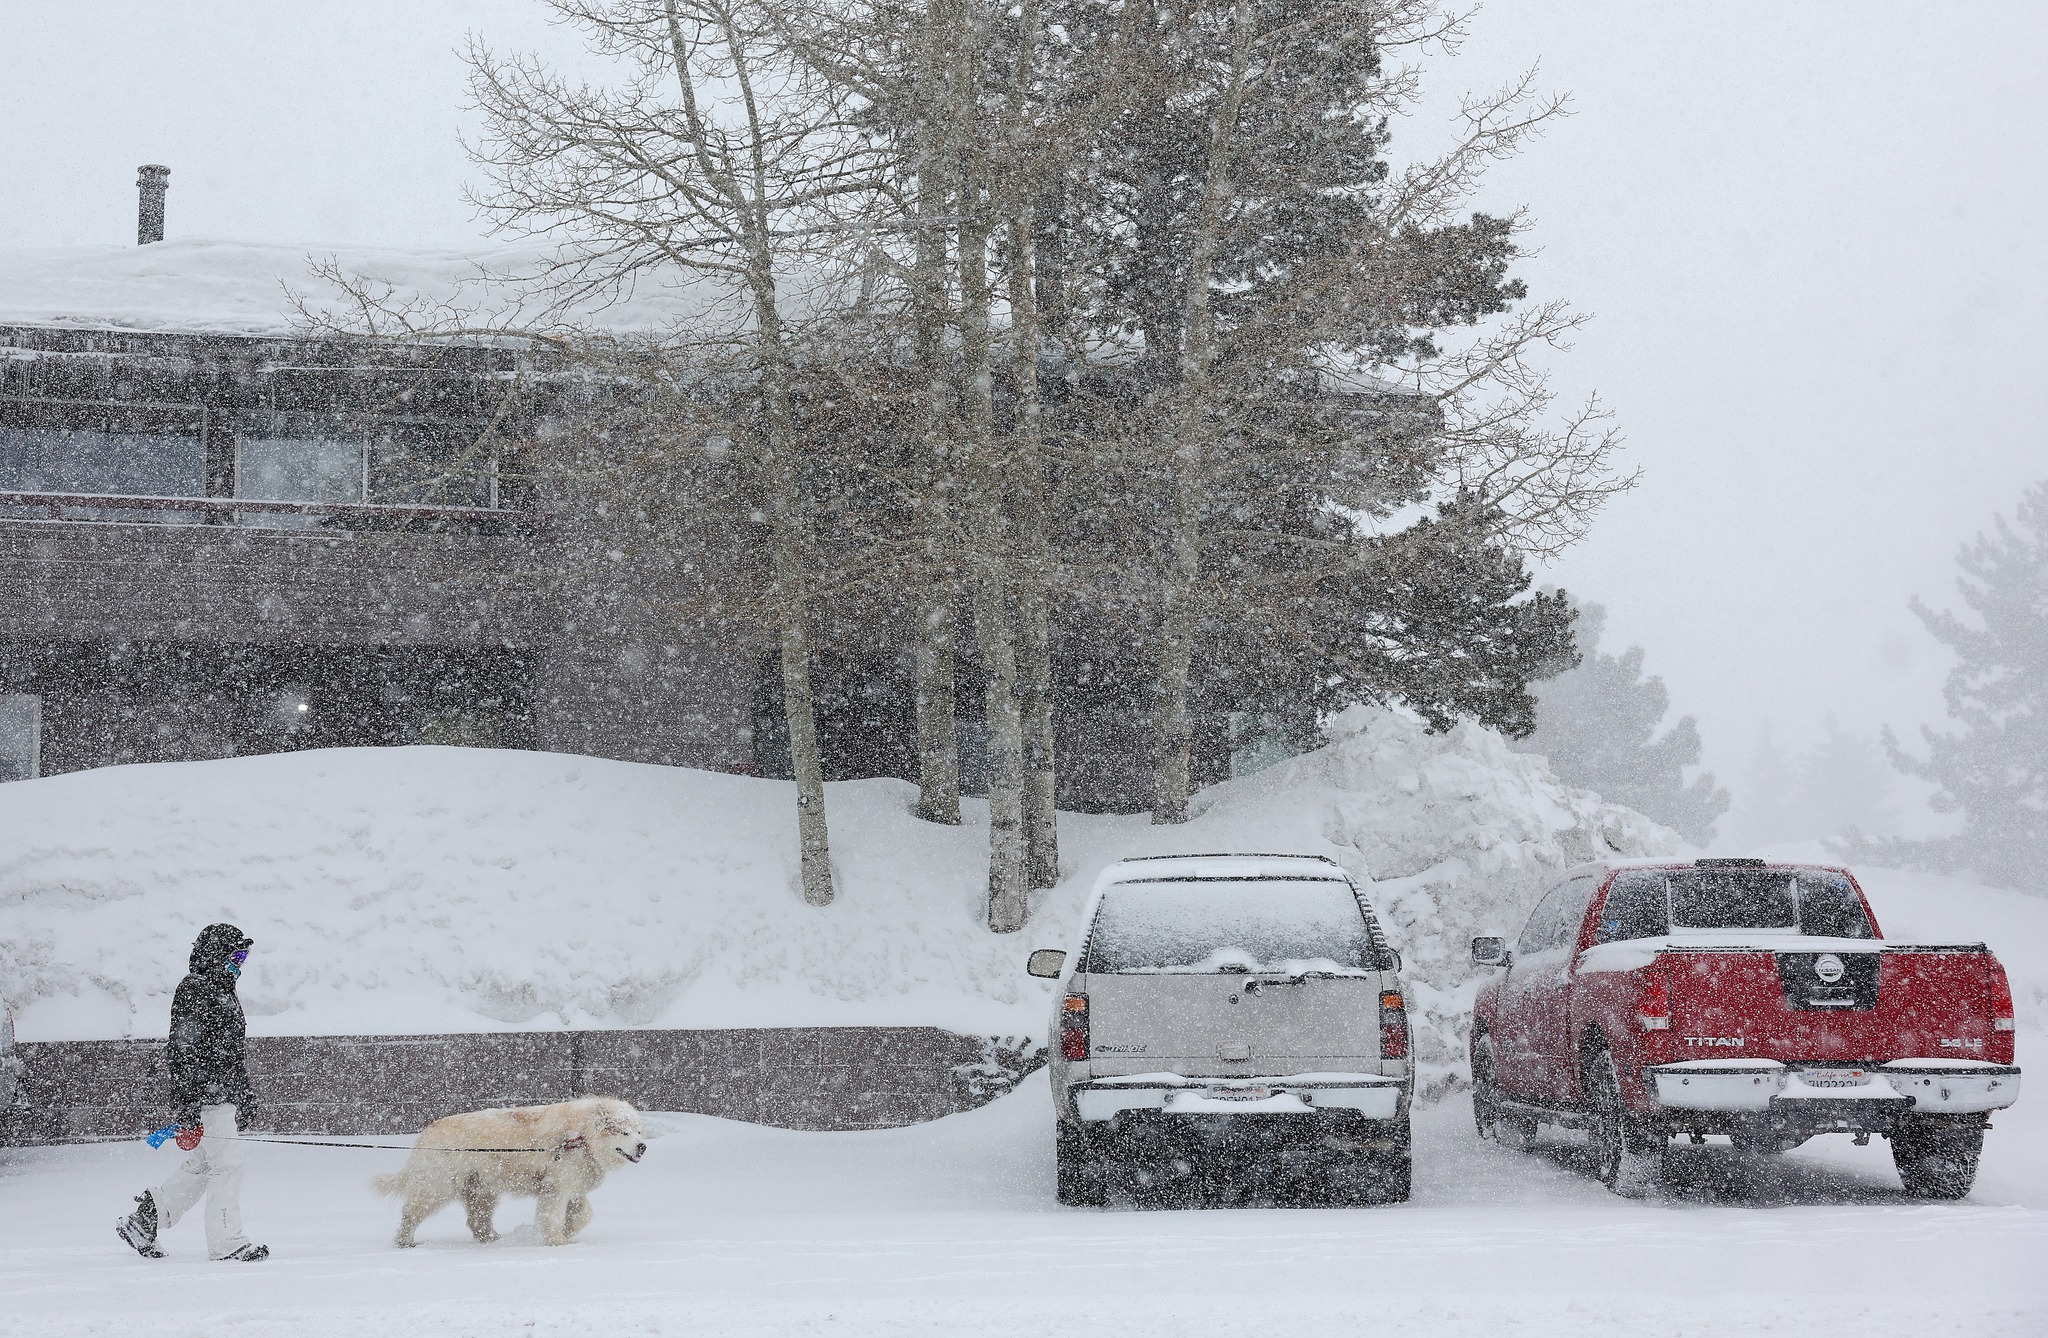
x,y
1828,967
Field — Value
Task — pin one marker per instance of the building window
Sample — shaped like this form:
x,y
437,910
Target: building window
x,y
21,737
422,466
298,462
116,455
301,458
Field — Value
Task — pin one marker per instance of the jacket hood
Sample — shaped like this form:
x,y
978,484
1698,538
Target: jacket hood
x,y
215,944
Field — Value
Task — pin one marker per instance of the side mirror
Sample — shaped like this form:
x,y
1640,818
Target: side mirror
x,y
1491,952
1394,956
1046,963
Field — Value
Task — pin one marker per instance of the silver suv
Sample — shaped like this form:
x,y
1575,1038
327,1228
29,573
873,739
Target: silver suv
x,y
1234,1020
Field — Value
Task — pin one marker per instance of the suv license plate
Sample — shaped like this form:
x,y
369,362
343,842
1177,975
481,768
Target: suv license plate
x,y
1238,1093
1835,1077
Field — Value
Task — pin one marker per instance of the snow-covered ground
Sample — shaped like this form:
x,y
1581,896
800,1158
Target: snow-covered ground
x,y
443,889
950,1229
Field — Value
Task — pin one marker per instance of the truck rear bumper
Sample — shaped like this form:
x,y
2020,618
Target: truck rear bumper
x,y
1372,1095
1832,1094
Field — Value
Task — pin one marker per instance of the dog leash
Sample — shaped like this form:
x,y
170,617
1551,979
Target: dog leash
x,y
405,1147
570,1146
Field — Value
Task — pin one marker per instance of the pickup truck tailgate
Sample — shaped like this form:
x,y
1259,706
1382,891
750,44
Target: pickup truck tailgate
x,y
1873,1002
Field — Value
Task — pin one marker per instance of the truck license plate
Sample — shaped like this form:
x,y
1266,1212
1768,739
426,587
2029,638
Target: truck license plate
x,y
1238,1093
1834,1077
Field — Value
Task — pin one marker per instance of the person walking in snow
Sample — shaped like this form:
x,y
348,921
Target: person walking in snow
x,y
210,1089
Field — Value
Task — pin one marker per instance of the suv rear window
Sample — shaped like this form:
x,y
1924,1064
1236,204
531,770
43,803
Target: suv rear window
x,y
1229,925
1649,903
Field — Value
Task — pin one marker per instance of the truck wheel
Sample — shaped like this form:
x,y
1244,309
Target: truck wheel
x,y
1629,1162
1936,1161
1081,1173
1485,1090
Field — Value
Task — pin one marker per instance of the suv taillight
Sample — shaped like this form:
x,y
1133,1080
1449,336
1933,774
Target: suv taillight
x,y
1653,1005
1393,1026
1074,1027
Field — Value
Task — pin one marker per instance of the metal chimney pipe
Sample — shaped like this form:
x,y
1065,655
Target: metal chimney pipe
x,y
152,180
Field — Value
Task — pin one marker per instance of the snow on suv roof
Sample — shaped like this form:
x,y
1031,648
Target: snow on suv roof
x,y
1174,868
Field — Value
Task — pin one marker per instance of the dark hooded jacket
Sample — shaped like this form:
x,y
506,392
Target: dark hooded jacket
x,y
207,1031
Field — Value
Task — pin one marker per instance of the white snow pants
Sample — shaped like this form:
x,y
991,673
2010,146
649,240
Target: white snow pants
x,y
215,1170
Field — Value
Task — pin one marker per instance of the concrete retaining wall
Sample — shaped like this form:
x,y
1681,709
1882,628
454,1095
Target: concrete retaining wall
x,y
793,1077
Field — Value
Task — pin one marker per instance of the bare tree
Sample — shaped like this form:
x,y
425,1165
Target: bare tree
x,y
715,157
969,158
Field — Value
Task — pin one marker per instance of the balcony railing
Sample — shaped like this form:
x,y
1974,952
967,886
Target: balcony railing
x,y
326,517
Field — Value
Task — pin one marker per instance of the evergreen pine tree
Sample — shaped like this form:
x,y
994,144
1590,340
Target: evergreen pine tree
x,y
1768,808
1993,769
1845,784
1598,722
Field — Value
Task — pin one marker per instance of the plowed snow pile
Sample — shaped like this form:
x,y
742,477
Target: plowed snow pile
x,y
443,889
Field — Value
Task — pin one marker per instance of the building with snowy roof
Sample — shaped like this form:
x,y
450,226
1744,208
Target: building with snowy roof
x,y
222,535
226,527
219,535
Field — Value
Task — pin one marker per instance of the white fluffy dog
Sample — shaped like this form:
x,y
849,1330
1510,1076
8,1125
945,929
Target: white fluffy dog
x,y
558,1154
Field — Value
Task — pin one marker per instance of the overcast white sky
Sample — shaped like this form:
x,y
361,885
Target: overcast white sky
x,y
1808,233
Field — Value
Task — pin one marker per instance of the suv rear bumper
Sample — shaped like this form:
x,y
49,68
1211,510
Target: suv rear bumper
x,y
1759,1086
1372,1095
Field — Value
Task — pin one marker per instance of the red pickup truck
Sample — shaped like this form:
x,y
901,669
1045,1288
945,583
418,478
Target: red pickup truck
x,y
1731,996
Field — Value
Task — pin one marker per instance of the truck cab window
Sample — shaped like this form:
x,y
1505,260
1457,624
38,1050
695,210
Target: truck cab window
x,y
1556,919
1733,899
1537,935
1635,908
1830,908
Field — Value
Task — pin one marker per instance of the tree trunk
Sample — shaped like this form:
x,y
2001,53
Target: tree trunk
x,y
1008,884
1190,424
1009,895
938,744
791,598
1041,820
814,845
1173,724
938,748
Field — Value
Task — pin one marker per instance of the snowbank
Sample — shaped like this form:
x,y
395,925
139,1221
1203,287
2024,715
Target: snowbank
x,y
443,889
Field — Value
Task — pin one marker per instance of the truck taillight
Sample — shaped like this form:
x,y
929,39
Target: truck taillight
x,y
1393,1026
2001,1001
1653,1005
1074,1027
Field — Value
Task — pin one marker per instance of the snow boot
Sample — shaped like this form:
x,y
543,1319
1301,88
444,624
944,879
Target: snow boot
x,y
138,1229
248,1254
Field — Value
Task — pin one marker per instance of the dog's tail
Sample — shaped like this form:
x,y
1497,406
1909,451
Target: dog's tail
x,y
388,1184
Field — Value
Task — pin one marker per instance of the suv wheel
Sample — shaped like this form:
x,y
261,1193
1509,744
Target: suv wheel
x,y
1081,1173
1393,1177
1360,1179
1629,1161
1382,1175
1936,1161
